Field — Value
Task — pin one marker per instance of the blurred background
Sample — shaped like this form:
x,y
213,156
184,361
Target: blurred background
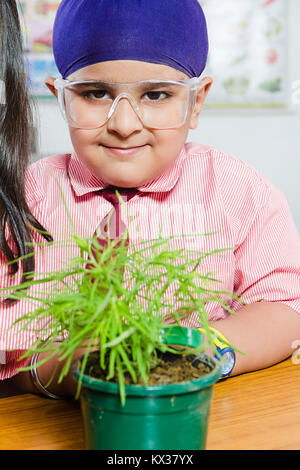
x,y
253,111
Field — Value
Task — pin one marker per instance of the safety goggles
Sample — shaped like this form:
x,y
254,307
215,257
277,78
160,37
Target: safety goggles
x,y
159,104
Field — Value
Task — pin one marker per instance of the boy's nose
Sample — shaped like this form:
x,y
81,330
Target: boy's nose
x,y
124,119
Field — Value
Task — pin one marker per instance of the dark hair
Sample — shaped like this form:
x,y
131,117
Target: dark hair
x,y
16,137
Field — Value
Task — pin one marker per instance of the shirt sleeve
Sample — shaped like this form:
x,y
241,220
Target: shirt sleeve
x,y
12,364
14,342
268,259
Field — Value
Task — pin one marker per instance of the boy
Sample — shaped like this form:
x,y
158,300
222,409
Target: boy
x,y
129,131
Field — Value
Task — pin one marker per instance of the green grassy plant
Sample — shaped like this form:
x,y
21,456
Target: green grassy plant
x,y
117,302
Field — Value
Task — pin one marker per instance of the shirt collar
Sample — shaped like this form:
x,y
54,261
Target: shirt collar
x,y
84,182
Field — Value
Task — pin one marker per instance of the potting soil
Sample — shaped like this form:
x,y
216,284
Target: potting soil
x,y
171,368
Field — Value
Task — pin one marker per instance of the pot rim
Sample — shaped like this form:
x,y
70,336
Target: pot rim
x,y
207,380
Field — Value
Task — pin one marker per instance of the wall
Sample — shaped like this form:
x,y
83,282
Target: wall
x,y
267,140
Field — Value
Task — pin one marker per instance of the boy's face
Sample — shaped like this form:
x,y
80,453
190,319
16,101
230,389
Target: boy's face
x,y
157,149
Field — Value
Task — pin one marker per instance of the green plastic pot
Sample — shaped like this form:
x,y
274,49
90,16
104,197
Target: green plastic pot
x,y
160,417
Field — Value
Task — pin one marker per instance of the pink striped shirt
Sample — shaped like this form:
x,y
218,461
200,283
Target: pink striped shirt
x,y
204,191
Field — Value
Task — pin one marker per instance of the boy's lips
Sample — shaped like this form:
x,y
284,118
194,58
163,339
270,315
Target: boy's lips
x,y
124,150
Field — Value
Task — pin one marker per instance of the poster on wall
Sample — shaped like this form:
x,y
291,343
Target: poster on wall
x,y
248,55
37,18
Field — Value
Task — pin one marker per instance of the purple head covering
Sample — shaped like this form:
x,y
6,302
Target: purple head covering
x,y
169,32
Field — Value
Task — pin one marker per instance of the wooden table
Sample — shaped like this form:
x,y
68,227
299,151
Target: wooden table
x,y
259,410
